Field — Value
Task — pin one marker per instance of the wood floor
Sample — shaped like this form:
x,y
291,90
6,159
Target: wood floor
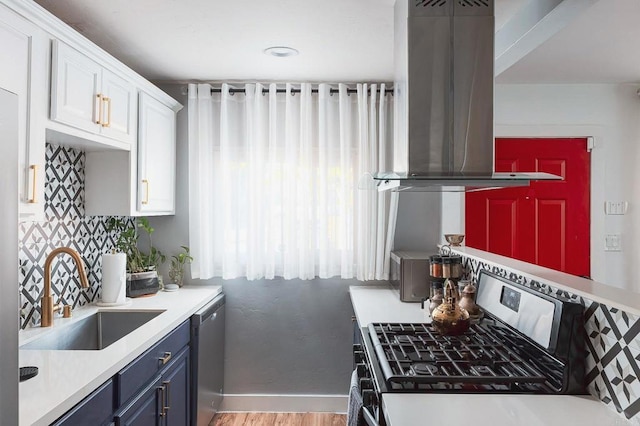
x,y
279,419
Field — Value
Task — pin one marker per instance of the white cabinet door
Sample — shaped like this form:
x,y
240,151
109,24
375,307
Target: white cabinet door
x,y
156,157
88,97
120,107
75,87
23,54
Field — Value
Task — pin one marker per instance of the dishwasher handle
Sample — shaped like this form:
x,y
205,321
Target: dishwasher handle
x,y
209,311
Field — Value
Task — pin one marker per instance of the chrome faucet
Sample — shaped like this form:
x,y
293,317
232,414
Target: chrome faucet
x,y
47,306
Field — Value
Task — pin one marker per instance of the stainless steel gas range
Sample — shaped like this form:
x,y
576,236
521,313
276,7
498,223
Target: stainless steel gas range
x,y
527,342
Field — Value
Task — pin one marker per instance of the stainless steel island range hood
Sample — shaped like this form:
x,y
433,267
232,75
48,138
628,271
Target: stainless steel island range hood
x,y
444,65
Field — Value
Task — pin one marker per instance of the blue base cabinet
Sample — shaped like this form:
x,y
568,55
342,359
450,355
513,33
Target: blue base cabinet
x,y
153,390
95,409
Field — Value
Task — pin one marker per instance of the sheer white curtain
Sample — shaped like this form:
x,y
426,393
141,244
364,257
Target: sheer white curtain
x,y
273,182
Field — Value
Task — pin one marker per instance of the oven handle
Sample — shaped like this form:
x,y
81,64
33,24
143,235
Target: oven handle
x,y
368,418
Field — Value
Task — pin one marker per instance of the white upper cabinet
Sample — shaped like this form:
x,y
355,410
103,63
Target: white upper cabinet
x,y
23,59
73,93
75,88
87,96
119,112
156,157
140,182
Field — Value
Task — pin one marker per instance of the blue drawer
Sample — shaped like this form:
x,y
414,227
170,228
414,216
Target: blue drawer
x,y
134,376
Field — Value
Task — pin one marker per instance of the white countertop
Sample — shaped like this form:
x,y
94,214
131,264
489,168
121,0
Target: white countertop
x,y
613,297
382,304
66,377
492,410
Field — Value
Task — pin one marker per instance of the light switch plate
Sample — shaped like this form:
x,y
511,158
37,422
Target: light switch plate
x,y
613,242
616,207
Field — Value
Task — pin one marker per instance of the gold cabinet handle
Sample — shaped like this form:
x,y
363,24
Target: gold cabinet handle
x,y
165,358
99,98
145,182
161,391
34,183
165,404
108,102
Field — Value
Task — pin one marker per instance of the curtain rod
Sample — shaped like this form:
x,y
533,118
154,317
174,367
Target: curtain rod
x,y
294,91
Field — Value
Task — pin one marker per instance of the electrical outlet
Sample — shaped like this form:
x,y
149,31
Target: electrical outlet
x,y
616,207
613,242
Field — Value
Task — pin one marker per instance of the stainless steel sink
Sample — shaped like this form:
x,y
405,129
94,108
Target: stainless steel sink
x,y
95,332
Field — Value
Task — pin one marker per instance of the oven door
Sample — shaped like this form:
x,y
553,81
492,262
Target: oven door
x,y
366,390
370,379
368,418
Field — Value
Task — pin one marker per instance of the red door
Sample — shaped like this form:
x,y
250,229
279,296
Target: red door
x,y
546,223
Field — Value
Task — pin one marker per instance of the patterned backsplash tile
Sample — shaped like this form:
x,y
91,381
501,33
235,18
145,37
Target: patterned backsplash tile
x,y
613,350
65,225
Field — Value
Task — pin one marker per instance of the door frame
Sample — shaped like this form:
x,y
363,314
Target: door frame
x,y
9,359
596,185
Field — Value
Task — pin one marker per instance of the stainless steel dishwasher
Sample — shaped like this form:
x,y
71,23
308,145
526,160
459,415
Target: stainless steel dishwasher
x,y
207,332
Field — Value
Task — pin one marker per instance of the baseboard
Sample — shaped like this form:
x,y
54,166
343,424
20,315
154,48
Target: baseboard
x,y
285,403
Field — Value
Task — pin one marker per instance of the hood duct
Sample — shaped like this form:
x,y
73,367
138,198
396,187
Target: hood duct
x,y
444,90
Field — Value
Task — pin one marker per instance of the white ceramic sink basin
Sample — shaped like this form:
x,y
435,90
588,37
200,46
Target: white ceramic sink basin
x,y
94,332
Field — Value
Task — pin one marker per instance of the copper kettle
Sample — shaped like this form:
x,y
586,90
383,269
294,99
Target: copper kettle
x,y
449,318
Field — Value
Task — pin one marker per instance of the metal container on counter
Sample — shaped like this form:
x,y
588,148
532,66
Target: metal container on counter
x,y
409,273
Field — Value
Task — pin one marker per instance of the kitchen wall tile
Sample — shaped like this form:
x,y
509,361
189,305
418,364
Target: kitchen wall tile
x,y
632,338
623,383
65,225
613,349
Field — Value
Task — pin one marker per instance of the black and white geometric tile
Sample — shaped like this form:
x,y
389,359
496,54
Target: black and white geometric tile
x,y
65,225
612,340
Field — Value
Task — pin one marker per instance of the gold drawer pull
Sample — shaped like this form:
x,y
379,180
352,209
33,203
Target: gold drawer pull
x,y
165,403
108,102
34,183
161,389
99,119
145,182
165,359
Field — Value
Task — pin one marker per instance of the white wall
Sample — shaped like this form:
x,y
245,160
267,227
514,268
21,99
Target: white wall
x,y
609,113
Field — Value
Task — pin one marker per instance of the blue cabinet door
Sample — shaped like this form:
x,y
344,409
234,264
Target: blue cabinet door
x,y
176,381
145,408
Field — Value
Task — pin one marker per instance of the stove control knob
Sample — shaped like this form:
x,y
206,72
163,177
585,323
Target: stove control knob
x,y
358,356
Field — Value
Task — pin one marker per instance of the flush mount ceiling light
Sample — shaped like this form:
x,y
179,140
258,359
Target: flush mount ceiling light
x,y
281,51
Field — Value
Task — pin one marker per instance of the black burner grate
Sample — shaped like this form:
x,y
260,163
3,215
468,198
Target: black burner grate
x,y
416,355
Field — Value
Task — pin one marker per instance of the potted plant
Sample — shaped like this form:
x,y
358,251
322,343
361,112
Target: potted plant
x,y
142,267
178,262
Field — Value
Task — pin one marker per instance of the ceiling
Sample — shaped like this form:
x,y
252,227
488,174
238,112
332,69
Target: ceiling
x,y
599,46
338,40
